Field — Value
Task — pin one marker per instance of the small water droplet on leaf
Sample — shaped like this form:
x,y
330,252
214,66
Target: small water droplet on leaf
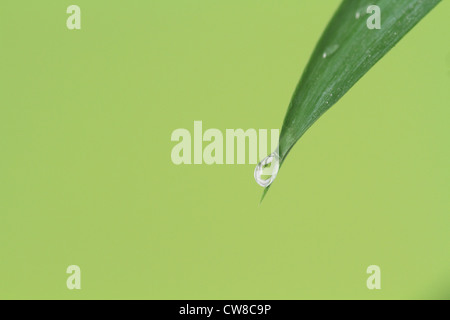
x,y
330,50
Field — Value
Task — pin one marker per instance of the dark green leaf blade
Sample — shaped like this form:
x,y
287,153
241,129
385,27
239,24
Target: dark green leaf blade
x,y
344,53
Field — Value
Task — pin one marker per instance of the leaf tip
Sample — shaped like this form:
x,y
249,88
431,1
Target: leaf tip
x,y
264,194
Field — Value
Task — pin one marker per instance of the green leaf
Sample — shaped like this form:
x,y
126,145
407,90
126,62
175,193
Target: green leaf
x,y
344,53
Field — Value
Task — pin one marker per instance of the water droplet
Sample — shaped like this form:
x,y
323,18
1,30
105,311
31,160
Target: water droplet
x,y
269,167
361,12
330,50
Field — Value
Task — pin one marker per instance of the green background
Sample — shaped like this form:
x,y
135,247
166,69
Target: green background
x,y
86,176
